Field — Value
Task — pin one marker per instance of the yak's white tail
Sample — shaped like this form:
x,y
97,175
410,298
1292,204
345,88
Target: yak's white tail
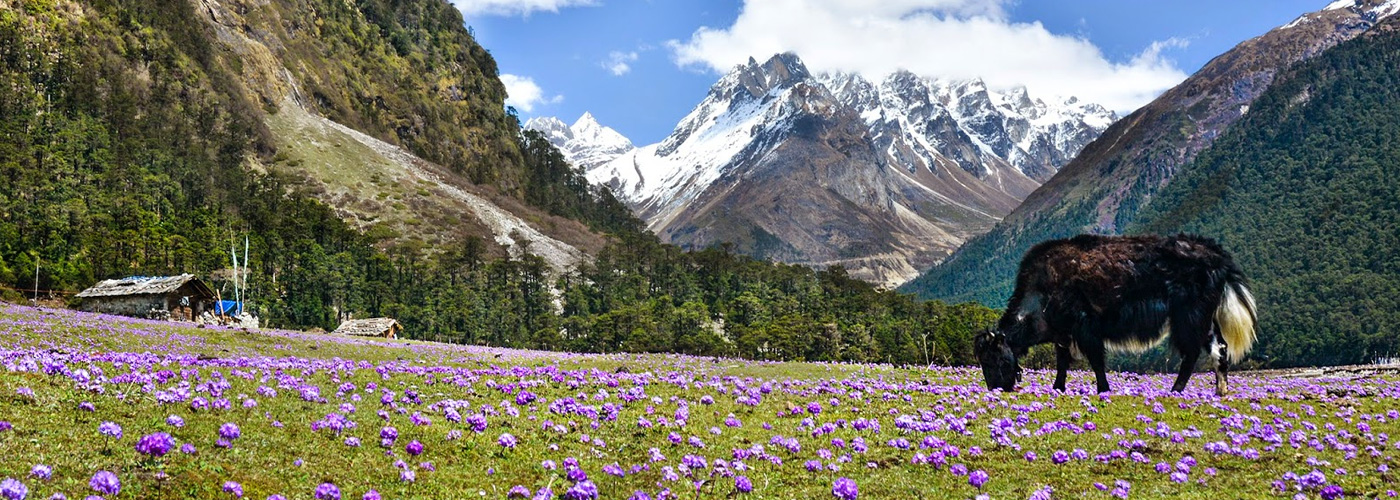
x,y
1236,320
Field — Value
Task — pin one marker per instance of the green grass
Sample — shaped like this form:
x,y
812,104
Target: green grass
x,y
50,428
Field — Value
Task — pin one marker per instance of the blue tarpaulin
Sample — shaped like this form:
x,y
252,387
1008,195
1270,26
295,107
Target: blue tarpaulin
x,y
228,308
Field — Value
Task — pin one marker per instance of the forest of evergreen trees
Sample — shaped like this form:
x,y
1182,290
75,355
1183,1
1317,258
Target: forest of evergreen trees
x,y
127,146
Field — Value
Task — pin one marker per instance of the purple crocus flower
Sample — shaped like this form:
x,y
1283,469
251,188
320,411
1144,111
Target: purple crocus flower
x,y
1045,493
106,483
187,449
978,478
1331,492
327,491
110,429
582,490
844,489
742,484
41,471
175,421
518,491
12,489
230,431
371,495
234,489
506,440
414,448
544,494
155,445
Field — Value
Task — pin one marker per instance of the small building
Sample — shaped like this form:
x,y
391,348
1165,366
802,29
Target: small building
x,y
177,298
388,328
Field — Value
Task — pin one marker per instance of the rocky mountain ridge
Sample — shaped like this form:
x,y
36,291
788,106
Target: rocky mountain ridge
x,y
1106,186
883,178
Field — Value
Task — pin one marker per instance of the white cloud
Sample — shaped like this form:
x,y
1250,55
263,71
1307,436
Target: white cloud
x,y
617,62
524,94
938,38
471,8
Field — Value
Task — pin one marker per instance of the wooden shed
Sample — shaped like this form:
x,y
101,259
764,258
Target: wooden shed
x,y
178,298
388,328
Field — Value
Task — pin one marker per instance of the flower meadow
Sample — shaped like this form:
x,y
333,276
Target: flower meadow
x,y
100,406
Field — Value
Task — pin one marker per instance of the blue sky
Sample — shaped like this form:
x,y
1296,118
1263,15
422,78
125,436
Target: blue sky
x,y
639,66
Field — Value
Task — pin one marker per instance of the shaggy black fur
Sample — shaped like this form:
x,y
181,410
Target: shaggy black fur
x,y
1091,293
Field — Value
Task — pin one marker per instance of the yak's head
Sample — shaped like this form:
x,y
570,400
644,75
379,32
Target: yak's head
x,y
998,361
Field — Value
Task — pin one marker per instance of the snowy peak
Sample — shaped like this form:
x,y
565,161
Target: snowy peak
x,y
884,177
586,143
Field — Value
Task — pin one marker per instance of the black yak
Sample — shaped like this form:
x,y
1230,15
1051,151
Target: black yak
x,y
1125,293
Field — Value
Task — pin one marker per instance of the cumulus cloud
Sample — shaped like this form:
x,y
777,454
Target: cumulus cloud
x,y
471,8
524,94
618,62
939,38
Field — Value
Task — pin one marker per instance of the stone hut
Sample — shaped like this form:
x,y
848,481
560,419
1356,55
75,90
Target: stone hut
x,y
388,328
177,298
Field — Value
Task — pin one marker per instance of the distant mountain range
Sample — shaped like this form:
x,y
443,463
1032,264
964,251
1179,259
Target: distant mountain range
x,y
884,178
1106,187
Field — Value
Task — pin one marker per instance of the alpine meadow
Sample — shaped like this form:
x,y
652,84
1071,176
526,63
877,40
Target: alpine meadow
x,y
347,249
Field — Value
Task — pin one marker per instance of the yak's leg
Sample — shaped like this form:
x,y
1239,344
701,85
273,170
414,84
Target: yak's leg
x,y
1188,366
1190,332
1222,360
1092,348
1062,359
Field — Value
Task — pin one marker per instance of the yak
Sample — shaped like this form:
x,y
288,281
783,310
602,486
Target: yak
x,y
1090,293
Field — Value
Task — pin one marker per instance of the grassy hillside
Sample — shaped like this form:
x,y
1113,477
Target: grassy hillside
x,y
1305,192
143,137
219,413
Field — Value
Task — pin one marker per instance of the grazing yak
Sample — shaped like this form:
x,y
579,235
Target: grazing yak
x,y
1090,293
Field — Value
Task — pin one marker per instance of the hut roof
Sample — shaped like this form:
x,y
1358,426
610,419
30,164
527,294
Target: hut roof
x,y
369,327
144,285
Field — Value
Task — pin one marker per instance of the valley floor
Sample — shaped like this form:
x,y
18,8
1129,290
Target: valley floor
x,y
174,411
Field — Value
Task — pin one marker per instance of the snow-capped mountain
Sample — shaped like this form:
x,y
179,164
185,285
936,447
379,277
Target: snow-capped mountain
x,y
586,143
884,178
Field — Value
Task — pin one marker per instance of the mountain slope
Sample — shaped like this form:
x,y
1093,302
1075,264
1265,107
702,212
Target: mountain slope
x,y
1305,191
884,179
1103,189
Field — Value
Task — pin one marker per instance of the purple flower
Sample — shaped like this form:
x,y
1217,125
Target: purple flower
x,y
275,496
1043,493
12,489
110,429
978,478
844,489
327,491
41,471
230,431
175,421
407,475
1331,492
414,448
371,495
106,483
87,406
234,489
187,449
155,445
582,490
506,440
743,484
544,494
5,426
518,491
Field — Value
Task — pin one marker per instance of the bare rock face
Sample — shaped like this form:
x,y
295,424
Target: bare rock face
x,y
884,178
1114,177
